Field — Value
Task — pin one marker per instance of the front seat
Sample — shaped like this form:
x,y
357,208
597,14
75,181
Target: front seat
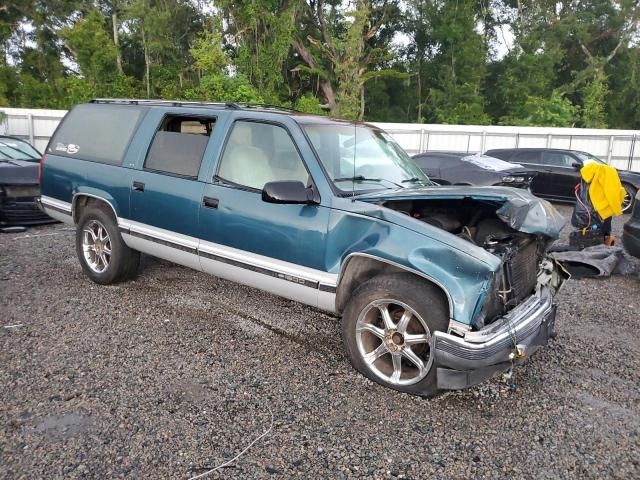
x,y
246,165
286,165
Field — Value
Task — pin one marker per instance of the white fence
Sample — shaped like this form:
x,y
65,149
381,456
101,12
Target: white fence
x,y
620,148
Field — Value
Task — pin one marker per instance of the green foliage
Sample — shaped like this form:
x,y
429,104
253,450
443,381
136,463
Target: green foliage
x,y
91,46
554,111
309,103
570,63
594,103
223,88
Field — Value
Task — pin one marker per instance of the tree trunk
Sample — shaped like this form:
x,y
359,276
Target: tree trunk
x,y
329,95
361,114
419,90
116,42
146,64
325,85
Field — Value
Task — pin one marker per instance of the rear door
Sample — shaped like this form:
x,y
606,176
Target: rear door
x,y
564,176
542,184
165,193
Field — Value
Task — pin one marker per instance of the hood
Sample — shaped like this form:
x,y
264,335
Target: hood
x,y
518,208
630,176
18,172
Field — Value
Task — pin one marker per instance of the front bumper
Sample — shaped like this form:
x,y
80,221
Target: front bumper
x,y
463,362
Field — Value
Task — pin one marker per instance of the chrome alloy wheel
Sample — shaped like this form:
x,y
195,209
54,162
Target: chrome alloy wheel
x,y
394,342
96,246
627,202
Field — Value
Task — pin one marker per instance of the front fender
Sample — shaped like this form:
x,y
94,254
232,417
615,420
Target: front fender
x,y
464,278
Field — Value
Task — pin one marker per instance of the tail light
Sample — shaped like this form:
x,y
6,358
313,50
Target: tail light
x,y
40,165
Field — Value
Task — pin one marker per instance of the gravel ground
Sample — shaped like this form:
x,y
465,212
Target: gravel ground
x,y
177,372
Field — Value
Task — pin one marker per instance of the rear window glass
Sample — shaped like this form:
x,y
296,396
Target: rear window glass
x,y
96,132
179,144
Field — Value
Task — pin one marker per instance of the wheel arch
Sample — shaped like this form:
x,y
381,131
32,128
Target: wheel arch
x,y
361,267
82,200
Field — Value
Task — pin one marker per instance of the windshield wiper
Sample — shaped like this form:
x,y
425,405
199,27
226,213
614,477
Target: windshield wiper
x,y
417,180
362,178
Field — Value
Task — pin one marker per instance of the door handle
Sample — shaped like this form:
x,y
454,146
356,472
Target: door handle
x,y
209,202
137,187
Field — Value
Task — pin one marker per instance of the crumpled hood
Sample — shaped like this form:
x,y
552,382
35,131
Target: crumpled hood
x,y
18,172
518,208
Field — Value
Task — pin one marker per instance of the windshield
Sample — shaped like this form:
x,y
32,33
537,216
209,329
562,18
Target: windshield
x,y
380,163
14,149
588,158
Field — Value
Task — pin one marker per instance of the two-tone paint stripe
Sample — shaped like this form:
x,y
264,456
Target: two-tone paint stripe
x,y
56,205
250,262
322,281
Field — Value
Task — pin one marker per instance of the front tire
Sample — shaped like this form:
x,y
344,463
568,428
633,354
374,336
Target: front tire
x,y
387,328
103,255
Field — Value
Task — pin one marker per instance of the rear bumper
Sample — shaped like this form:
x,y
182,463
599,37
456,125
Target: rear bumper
x,y
631,237
22,212
463,362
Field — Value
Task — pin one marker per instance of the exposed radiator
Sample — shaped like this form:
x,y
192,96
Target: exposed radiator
x,y
522,271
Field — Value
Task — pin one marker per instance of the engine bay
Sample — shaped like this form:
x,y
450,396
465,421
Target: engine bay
x,y
477,222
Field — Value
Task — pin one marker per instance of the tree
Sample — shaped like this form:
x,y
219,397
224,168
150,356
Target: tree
x,y
339,47
212,63
459,67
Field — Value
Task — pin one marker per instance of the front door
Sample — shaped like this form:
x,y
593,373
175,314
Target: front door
x,y
275,247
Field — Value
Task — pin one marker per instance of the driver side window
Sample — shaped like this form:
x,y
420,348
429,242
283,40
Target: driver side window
x,y
258,153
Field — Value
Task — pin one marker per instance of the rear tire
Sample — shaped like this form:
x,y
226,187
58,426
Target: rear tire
x,y
394,349
103,255
627,205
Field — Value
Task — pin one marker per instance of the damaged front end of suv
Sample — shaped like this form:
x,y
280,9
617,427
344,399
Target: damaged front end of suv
x,y
502,305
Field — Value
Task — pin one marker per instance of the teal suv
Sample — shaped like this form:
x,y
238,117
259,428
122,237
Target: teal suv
x,y
437,287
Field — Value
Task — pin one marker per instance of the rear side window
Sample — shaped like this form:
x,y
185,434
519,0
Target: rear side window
x,y
179,144
526,157
100,133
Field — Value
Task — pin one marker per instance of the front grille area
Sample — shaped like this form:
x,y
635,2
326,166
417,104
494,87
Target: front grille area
x,y
522,272
23,212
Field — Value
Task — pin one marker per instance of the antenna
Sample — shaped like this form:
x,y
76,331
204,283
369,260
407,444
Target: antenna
x,y
353,179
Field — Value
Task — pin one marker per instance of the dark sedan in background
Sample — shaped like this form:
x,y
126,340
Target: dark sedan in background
x,y
559,172
462,168
631,230
19,185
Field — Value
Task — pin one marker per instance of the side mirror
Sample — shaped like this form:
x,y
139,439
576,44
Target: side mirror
x,y
576,165
289,192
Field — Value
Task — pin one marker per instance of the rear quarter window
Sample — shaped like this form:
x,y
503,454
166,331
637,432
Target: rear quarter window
x,y
99,133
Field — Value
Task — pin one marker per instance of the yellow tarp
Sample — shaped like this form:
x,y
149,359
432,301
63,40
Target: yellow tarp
x,y
605,190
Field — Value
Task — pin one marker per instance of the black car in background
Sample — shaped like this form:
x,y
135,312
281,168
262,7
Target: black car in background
x,y
19,185
631,230
559,172
462,168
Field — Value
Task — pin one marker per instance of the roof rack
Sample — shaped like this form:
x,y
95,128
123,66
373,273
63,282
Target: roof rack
x,y
173,103
188,103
